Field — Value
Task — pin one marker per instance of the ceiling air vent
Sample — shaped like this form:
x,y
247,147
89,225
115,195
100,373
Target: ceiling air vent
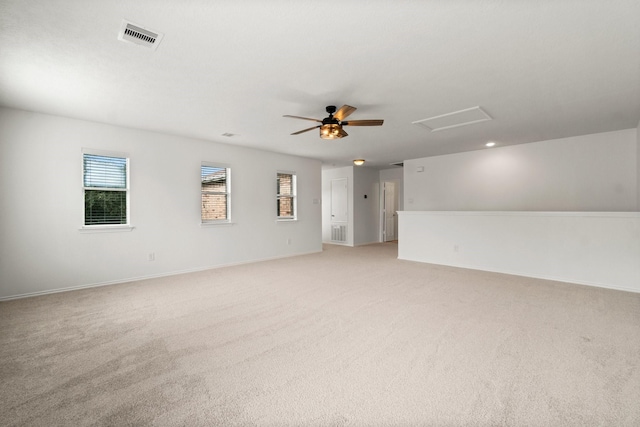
x,y
139,35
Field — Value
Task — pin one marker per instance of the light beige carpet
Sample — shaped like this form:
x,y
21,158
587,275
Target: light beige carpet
x,y
349,336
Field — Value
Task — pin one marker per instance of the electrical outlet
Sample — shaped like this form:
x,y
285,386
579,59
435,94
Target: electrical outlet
x,y
455,248
152,256
288,241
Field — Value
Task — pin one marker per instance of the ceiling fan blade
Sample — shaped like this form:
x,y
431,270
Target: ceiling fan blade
x,y
305,130
343,133
344,112
363,123
303,118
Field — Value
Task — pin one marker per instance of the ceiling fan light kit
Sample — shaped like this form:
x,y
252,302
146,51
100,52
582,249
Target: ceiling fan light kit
x,y
331,131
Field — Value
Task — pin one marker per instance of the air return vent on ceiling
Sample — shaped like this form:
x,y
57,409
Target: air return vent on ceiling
x,y
137,34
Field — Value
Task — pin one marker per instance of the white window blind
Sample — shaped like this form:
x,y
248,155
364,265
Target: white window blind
x,y
106,189
286,195
216,193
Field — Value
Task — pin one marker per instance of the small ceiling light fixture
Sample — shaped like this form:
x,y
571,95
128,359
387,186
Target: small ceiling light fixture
x,y
490,144
358,162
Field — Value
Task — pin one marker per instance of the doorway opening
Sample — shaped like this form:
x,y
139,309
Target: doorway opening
x,y
390,211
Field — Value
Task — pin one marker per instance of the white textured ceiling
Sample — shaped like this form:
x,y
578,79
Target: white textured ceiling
x,y
543,69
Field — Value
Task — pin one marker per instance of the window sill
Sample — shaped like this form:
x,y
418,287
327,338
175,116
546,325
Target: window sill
x,y
106,229
285,220
217,224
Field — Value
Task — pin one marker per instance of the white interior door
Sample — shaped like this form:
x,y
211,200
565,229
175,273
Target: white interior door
x,y
389,211
339,200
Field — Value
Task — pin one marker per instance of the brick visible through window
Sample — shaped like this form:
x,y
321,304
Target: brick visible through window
x,y
286,196
216,193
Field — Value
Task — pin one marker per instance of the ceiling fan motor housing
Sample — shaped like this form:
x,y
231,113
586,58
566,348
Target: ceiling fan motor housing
x,y
330,121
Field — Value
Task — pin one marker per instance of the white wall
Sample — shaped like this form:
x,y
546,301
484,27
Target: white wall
x,y
600,249
588,184
42,249
638,165
585,173
366,182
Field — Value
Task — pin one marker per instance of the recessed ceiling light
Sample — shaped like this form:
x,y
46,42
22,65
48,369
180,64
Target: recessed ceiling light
x,y
490,144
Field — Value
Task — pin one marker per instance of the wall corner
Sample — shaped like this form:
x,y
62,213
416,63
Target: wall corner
x,y
638,167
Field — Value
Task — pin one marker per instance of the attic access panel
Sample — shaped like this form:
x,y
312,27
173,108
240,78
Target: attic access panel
x,y
456,119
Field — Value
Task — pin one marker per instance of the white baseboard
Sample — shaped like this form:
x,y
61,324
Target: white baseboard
x,y
533,276
151,276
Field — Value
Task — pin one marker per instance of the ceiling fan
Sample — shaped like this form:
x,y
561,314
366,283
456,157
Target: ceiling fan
x,y
331,127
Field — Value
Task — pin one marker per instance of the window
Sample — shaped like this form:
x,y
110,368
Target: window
x,y
286,195
106,190
216,193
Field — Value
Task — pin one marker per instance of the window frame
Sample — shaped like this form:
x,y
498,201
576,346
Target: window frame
x,y
227,193
293,196
127,190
